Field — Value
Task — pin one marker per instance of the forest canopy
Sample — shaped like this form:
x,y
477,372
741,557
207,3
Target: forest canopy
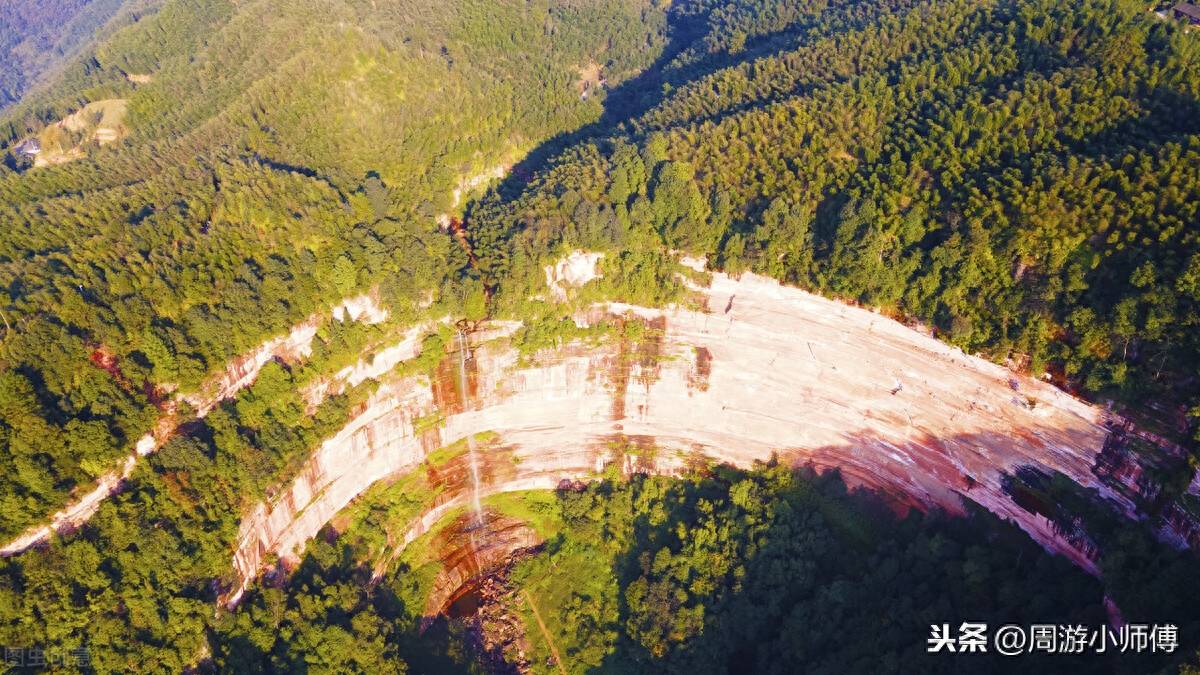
x,y
279,159
1021,176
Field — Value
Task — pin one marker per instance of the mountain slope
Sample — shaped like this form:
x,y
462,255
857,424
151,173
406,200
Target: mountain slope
x,y
38,38
1020,175
277,157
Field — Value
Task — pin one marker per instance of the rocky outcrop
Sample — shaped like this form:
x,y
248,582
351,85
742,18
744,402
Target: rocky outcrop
x,y
1134,461
379,364
101,122
468,184
363,309
573,271
468,550
767,371
294,345
1180,522
495,630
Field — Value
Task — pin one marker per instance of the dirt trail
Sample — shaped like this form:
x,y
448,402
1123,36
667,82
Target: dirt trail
x,y
545,633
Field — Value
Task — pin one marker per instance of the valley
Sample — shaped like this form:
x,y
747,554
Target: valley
x,y
759,371
598,336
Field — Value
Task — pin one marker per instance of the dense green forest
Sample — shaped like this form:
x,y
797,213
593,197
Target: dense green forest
x,y
38,38
280,159
722,571
759,571
1021,175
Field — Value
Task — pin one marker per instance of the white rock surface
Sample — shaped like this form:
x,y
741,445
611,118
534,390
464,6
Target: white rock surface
x,y
363,309
573,271
768,370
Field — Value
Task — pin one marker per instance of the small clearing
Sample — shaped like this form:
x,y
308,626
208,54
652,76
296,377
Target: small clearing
x,y
99,122
591,77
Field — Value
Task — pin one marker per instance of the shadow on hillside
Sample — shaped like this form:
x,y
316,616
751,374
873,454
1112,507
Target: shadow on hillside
x,y
836,582
782,569
330,605
686,37
625,102
621,103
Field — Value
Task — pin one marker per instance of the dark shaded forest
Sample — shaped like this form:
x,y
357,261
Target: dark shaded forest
x,y
728,571
761,571
36,38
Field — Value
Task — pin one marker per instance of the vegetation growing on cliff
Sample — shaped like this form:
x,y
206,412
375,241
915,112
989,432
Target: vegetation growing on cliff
x,y
284,156
1020,175
1023,175
759,571
730,571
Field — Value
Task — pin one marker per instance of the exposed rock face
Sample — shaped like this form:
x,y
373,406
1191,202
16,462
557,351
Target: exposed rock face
x,y
383,440
469,550
767,371
1181,517
364,309
495,629
99,121
467,185
294,345
470,183
380,363
571,272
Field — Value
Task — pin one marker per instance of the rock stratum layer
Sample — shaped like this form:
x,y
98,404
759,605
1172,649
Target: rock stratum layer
x,y
295,345
764,371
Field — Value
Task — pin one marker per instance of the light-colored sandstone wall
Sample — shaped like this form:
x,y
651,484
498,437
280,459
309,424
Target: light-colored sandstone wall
x,y
767,370
294,345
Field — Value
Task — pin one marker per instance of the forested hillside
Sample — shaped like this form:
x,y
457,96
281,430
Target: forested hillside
x,y
732,572
280,156
36,38
761,571
1021,176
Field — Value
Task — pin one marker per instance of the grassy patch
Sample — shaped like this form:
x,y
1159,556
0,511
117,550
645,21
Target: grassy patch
x,y
412,574
446,453
539,508
424,423
550,333
384,512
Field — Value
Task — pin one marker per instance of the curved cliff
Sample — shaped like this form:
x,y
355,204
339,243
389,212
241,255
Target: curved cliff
x,y
295,345
764,370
